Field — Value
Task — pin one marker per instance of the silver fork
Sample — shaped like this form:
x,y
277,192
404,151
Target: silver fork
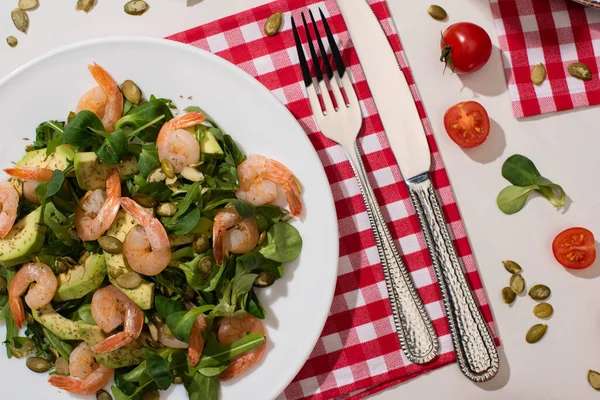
x,y
341,123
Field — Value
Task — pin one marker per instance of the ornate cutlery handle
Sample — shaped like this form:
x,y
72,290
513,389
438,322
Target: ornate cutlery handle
x,y
415,330
475,349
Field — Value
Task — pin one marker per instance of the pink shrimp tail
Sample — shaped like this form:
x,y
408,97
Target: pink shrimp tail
x,y
219,243
17,310
292,194
104,80
33,174
196,341
113,342
241,363
139,213
112,91
69,384
188,120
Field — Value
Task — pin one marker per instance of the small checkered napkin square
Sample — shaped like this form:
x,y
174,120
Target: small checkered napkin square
x,y
358,352
555,33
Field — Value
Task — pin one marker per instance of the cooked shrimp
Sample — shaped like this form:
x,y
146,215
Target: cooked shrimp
x,y
99,209
87,376
233,329
178,145
196,341
32,177
233,233
38,296
9,204
146,247
109,306
104,100
258,179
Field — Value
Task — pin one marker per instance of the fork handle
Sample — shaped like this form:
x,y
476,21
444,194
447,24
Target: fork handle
x,y
475,349
413,326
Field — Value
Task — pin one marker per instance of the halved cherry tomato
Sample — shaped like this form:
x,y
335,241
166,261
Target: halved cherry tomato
x,y
467,124
574,248
466,47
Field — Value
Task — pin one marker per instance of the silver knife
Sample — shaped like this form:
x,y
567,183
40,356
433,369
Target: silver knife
x,y
475,349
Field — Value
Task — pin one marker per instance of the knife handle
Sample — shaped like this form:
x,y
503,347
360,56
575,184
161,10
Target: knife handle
x,y
414,328
475,349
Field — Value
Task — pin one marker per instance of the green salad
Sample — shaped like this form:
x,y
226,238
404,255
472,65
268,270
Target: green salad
x,y
133,242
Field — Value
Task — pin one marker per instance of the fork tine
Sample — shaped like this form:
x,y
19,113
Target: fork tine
x,y
301,57
321,46
335,51
313,53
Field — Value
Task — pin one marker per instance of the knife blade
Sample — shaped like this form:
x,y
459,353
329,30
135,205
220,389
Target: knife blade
x,y
475,349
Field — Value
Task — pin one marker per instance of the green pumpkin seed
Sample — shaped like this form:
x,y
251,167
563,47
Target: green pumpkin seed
x,y
264,279
538,74
12,41
129,280
201,245
3,285
28,4
157,175
38,364
262,237
61,366
437,12
539,292
535,333
103,395
157,319
136,7
517,283
512,267
131,91
152,395
84,5
205,265
111,245
508,296
60,266
192,174
144,200
273,24
167,168
580,71
20,19
70,117
594,379
543,310
286,215
177,380
166,209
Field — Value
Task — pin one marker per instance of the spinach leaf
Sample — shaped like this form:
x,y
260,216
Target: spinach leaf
x,y
238,156
200,387
271,213
146,116
167,306
157,190
113,149
243,207
59,223
255,307
191,196
79,132
513,198
127,106
148,159
55,183
241,285
520,170
186,223
283,243
84,313
180,323
48,134
158,369
255,261
212,371
63,348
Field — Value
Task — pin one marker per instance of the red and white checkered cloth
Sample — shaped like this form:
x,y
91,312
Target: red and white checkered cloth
x,y
553,32
358,352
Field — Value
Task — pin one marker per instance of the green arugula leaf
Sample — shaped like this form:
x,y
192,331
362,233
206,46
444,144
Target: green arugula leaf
x,y
141,116
113,149
59,223
158,369
180,323
243,207
157,190
84,313
47,134
55,183
148,159
63,348
186,223
201,387
190,197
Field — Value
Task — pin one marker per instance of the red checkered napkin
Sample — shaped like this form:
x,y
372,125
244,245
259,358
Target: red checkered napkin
x,y
553,32
358,352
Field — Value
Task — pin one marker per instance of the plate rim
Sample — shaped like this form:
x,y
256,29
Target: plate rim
x,y
276,103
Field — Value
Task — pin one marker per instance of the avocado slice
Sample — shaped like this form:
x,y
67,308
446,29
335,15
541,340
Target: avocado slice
x,y
62,327
57,160
81,280
91,174
204,227
143,295
132,354
25,238
210,145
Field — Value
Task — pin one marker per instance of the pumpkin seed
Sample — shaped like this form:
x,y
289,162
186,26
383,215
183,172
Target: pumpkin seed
x,y
177,380
38,364
543,310
144,200
273,24
508,295
20,19
264,279
167,168
61,366
580,71
60,266
166,209
12,41
129,280
201,244
512,267
28,4
84,5
70,117
136,7
3,285
286,215
111,245
192,174
157,319
594,379
437,12
153,331
29,148
517,283
157,175
538,74
205,265
131,91
262,237
26,348
103,395
535,333
539,292
152,395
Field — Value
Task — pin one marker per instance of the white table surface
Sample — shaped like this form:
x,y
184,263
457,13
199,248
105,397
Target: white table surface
x,y
564,146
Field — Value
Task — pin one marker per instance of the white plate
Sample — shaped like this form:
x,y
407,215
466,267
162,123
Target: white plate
x,y
298,304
